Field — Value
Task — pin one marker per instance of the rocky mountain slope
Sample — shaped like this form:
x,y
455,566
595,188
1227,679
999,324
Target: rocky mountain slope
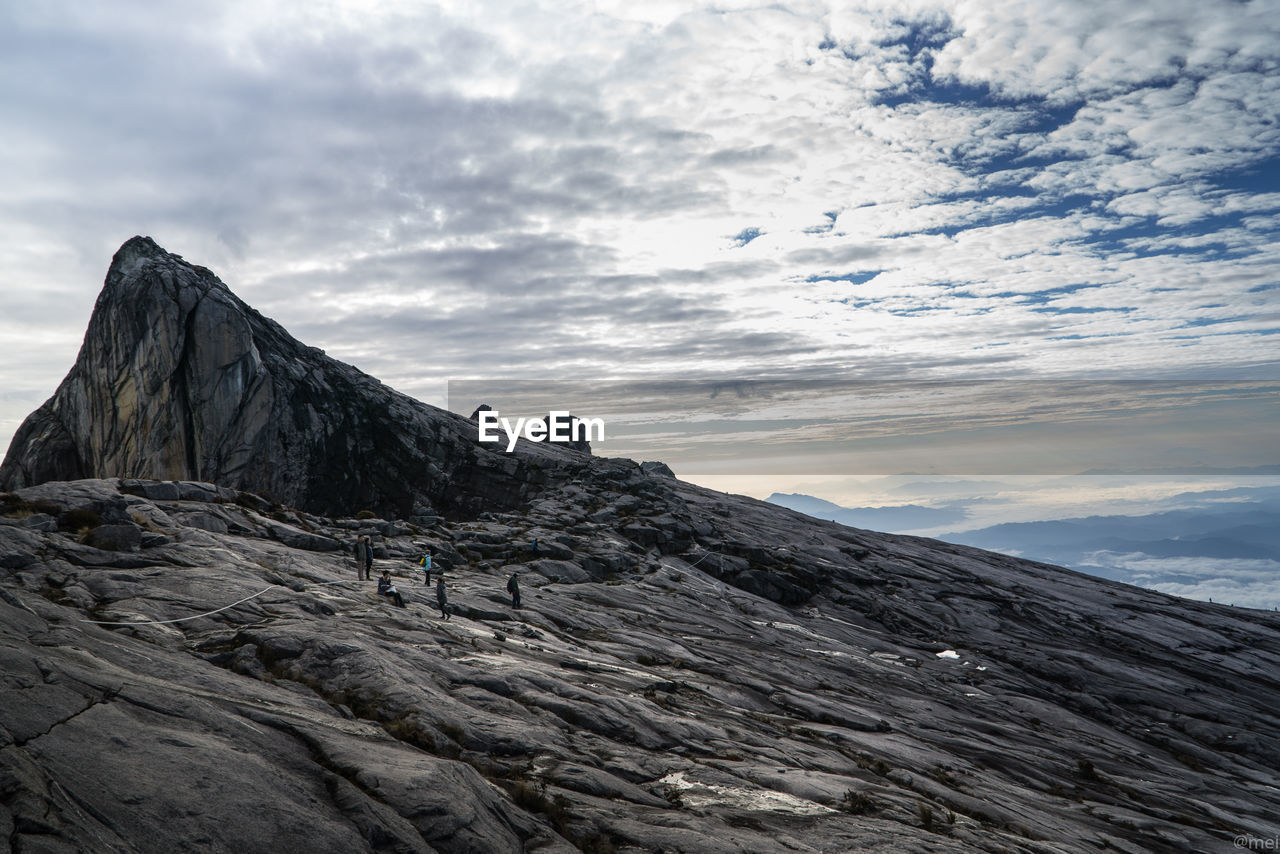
x,y
187,666
653,694
178,379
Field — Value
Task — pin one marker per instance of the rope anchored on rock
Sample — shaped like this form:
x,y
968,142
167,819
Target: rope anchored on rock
x,y
206,613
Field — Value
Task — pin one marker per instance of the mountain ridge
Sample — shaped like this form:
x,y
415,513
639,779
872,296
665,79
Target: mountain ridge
x,y
178,378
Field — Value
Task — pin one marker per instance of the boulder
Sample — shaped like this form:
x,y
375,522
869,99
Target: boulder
x,y
560,570
656,469
205,521
154,490
40,522
299,539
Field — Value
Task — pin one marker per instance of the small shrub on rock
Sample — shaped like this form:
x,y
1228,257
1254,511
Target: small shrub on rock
x,y
533,798
873,764
858,803
79,520
12,505
249,501
597,844
530,796
124,536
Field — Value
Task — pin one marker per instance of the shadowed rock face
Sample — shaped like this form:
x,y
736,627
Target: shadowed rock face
x,y
179,379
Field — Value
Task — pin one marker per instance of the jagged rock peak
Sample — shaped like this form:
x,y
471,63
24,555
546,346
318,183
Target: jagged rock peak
x,y
178,379
139,252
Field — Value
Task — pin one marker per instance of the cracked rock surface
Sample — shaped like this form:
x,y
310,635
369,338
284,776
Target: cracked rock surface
x,y
745,680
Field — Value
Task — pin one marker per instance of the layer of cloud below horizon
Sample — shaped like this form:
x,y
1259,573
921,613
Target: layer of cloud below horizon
x,y
1175,535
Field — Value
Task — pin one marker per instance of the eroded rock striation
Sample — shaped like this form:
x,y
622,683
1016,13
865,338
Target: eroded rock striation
x,y
186,667
178,379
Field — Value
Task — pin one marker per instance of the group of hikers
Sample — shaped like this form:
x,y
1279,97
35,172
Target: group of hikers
x,y
363,553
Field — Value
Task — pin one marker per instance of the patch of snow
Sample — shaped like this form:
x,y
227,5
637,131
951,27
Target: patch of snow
x,y
947,653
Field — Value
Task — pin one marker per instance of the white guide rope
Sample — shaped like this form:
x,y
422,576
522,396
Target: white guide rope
x,y
206,613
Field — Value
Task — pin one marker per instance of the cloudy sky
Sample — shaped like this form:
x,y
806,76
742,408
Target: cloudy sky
x,y
570,190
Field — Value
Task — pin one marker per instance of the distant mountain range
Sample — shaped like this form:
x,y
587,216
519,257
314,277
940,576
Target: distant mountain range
x,y
1230,538
1245,530
899,518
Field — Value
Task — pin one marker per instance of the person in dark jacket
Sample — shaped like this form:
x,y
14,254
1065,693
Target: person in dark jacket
x,y
442,598
386,588
513,587
363,554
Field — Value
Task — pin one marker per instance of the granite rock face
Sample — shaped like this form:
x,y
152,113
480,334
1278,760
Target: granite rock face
x,y
178,379
215,684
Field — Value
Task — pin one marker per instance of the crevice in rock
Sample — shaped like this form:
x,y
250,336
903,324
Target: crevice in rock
x,y
150,707
93,701
183,392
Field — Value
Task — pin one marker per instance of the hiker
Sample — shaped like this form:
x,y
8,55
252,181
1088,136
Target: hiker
x,y
363,554
386,588
442,598
533,549
425,563
368,556
513,587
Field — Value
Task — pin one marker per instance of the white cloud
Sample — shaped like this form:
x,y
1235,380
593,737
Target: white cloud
x,y
1247,583
1040,180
